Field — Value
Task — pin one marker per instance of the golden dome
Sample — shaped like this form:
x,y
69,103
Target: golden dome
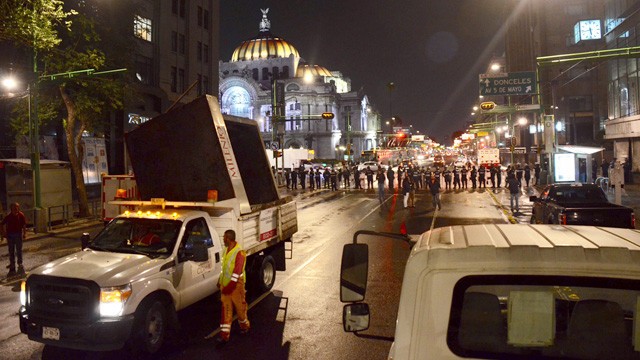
x,y
312,70
264,46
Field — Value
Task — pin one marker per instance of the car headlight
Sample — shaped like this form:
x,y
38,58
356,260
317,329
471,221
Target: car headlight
x,y
23,293
112,299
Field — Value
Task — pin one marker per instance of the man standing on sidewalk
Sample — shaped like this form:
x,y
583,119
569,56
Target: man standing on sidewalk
x,y
514,191
14,228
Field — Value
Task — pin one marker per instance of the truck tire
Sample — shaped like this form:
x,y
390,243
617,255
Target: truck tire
x,y
265,275
150,327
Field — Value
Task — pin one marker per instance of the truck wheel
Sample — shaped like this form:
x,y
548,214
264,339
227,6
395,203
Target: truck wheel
x,y
266,275
150,327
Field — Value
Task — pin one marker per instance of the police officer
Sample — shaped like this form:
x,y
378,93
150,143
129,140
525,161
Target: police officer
x,y
447,179
492,172
463,176
498,175
481,181
334,180
456,178
519,173
474,174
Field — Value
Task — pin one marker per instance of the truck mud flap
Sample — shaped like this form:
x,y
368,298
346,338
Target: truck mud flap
x,y
287,220
288,249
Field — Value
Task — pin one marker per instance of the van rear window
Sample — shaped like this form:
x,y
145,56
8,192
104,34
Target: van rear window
x,y
517,316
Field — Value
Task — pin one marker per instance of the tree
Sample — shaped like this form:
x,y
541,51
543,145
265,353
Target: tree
x,y
33,23
84,101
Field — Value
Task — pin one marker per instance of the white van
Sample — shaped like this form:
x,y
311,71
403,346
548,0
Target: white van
x,y
510,291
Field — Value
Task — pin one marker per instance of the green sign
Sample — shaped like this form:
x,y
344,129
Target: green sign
x,y
515,83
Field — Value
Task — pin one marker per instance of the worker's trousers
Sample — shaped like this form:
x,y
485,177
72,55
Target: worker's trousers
x,y
238,301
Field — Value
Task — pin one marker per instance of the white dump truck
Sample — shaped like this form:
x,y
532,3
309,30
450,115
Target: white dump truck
x,y
508,292
198,174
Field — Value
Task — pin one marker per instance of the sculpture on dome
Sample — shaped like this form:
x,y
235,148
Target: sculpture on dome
x,y
265,24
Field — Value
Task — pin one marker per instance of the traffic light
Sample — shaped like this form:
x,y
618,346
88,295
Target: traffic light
x,y
487,105
327,115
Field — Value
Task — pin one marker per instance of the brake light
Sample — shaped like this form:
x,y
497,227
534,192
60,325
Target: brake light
x,y
633,220
563,219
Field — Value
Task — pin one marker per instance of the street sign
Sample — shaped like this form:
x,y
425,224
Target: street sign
x,y
514,83
527,107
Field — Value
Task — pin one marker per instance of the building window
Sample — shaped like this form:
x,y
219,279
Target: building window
x,y
181,43
142,28
174,6
206,19
174,41
174,74
205,84
256,75
144,72
276,72
183,5
181,80
199,16
199,51
285,72
199,84
206,53
265,73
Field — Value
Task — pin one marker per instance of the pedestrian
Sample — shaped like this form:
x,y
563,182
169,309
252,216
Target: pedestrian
x,y
303,177
356,178
536,173
390,175
400,177
346,175
519,174
605,168
327,175
447,179
287,177
406,188
434,188
318,177
498,175
380,178
294,178
474,174
626,166
369,174
463,176
492,172
14,228
514,191
412,193
481,181
527,174
334,180
312,180
594,170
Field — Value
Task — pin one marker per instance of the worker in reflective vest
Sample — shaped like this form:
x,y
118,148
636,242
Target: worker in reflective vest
x,y
231,284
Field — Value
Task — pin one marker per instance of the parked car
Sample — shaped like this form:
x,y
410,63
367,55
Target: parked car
x,y
579,204
373,165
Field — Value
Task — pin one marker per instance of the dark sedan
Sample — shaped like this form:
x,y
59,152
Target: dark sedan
x,y
579,204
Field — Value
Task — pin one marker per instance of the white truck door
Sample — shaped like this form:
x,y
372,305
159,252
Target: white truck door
x,y
197,280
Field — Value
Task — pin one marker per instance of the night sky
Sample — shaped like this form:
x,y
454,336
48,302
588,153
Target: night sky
x,y
433,51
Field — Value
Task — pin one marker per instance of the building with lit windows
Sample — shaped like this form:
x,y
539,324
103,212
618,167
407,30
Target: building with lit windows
x,y
621,27
307,91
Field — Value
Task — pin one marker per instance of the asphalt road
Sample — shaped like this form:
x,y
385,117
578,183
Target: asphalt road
x,y
302,317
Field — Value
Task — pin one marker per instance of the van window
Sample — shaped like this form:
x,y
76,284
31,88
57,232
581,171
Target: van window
x,y
515,316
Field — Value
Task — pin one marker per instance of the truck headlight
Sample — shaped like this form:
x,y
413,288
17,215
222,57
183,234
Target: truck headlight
x,y
23,293
112,299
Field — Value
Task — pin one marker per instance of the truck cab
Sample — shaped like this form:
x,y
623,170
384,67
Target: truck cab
x,y
509,291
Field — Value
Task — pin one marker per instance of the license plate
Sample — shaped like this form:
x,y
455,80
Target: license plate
x,y
50,333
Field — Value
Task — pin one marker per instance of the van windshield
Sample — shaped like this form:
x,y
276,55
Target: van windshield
x,y
153,237
545,317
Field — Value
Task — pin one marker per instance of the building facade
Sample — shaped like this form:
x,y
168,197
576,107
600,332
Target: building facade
x,y
621,27
305,90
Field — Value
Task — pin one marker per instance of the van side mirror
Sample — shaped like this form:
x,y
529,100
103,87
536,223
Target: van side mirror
x,y
355,317
198,252
354,270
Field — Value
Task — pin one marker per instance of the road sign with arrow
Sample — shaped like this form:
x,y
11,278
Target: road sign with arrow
x,y
514,83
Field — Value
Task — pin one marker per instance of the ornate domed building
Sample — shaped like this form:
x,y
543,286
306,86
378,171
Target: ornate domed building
x,y
304,90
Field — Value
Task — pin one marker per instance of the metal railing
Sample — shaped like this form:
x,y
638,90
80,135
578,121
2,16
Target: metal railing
x,y
63,215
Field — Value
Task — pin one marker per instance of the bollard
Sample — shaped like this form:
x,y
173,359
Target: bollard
x,y
84,240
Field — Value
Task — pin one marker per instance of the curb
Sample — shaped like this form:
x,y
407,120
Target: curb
x,y
503,208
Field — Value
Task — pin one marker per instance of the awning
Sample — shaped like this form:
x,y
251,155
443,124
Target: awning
x,y
585,150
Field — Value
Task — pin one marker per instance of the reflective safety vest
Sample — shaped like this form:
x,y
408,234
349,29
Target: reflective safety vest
x,y
229,263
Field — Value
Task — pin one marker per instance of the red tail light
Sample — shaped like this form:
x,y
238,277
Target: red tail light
x,y
403,229
633,220
563,219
